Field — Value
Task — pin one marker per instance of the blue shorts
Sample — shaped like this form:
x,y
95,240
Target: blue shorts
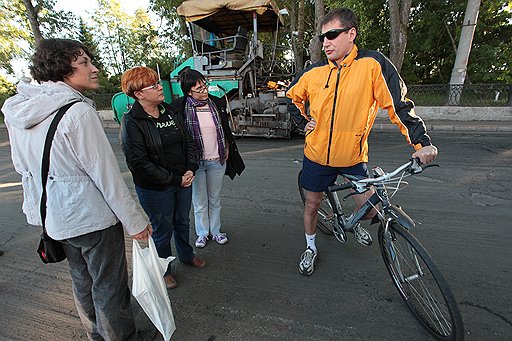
x,y
317,178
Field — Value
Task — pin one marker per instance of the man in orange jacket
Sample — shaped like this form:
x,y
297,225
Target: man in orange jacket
x,y
344,95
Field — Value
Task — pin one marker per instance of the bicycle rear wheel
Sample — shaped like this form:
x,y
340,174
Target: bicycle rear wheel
x,y
325,212
420,283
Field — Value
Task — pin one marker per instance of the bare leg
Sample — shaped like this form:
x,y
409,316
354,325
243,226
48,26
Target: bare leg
x,y
360,200
308,258
313,201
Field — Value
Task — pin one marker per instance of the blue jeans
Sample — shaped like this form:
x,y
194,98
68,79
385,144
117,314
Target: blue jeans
x,y
97,264
206,197
168,211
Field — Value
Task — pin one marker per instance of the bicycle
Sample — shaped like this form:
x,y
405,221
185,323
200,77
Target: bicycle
x,y
412,270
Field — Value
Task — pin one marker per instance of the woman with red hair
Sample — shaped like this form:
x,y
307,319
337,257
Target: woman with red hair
x,y
161,156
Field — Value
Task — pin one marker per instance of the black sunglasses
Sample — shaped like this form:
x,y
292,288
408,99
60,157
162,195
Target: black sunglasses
x,y
332,34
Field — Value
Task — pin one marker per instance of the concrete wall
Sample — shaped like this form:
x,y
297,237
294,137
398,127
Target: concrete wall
x,y
462,113
427,113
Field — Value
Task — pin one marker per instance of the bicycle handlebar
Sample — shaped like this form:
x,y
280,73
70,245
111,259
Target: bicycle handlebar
x,y
413,166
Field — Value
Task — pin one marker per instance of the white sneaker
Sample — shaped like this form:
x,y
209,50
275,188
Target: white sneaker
x,y
307,262
220,238
201,242
363,237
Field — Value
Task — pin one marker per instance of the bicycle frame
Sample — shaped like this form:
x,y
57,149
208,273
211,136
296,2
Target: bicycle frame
x,y
379,197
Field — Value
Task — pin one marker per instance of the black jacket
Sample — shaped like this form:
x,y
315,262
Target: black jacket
x,y
144,152
234,164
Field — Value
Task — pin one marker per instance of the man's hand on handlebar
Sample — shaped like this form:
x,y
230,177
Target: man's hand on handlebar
x,y
426,154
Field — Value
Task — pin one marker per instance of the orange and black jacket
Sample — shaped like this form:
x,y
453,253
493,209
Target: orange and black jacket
x,y
344,101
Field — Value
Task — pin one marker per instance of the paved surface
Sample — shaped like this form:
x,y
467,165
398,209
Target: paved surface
x,y
251,289
448,125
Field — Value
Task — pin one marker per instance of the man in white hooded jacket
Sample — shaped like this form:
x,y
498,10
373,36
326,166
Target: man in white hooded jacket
x,y
88,203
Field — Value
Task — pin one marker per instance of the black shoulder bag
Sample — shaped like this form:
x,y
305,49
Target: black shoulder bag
x,y
50,250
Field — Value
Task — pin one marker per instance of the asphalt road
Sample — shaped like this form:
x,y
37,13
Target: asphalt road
x,y
251,288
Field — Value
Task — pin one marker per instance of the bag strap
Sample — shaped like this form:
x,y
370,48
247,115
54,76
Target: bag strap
x,y
45,166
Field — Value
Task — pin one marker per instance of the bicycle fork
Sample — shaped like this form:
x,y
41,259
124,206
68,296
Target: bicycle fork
x,y
396,256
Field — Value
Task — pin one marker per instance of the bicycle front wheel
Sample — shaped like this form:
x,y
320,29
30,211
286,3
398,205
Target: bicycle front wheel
x,y
325,212
420,283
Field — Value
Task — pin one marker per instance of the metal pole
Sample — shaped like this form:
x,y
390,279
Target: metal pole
x,y
252,73
461,60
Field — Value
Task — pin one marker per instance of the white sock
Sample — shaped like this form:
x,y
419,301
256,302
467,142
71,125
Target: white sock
x,y
310,240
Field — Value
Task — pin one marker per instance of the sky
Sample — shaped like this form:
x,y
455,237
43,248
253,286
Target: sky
x,y
81,7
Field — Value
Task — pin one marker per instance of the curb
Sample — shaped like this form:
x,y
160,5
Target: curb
x,y
470,126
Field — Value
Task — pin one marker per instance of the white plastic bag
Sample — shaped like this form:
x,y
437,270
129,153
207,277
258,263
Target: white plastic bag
x,y
149,287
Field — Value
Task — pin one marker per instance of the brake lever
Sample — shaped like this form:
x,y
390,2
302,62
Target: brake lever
x,y
415,167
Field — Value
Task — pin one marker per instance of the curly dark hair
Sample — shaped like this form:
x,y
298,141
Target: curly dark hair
x,y
53,57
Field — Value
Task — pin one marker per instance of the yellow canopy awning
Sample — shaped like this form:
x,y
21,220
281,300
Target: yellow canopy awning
x,y
221,16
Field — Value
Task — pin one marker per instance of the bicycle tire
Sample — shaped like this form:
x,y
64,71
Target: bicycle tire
x,y
325,212
428,295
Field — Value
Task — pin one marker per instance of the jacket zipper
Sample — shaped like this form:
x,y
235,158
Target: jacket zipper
x,y
332,115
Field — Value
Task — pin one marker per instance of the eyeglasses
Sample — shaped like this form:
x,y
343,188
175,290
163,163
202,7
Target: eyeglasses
x,y
154,86
201,89
332,34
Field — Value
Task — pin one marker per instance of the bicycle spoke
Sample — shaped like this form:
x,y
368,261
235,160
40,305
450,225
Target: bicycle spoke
x,y
412,276
432,306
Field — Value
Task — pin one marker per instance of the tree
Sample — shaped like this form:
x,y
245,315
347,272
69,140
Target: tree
x,y
172,34
435,28
300,28
10,35
399,11
126,40
33,14
7,89
491,55
298,40
315,46
26,22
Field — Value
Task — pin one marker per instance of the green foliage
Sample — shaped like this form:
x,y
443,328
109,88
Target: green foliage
x,y
491,56
12,31
16,37
433,35
7,89
132,40
172,32
430,54
56,24
120,40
